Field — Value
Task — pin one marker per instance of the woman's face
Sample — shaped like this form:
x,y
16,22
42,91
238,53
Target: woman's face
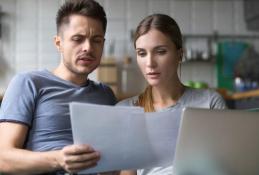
x,y
157,57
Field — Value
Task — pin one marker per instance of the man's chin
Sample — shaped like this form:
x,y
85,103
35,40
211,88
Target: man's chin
x,y
83,73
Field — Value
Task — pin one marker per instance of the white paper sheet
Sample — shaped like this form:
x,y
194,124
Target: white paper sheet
x,y
126,137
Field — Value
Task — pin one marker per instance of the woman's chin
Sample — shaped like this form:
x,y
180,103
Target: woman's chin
x,y
153,82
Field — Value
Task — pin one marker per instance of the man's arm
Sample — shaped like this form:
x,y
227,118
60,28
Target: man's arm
x,y
16,160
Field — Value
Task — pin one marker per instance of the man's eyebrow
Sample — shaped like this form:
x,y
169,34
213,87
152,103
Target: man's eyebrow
x,y
98,36
77,35
83,35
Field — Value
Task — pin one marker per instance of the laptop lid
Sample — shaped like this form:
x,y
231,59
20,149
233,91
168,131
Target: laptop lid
x,y
220,142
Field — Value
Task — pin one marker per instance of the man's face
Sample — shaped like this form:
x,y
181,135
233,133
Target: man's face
x,y
80,43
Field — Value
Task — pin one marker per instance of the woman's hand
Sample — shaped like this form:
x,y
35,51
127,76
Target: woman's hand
x,y
74,158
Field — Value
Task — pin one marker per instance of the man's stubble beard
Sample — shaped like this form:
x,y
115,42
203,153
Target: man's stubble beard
x,y
74,70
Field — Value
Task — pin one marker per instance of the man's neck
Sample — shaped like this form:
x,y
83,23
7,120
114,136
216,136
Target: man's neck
x,y
70,76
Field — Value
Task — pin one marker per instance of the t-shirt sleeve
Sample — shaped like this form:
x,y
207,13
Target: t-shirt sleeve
x,y
217,101
19,100
125,102
128,102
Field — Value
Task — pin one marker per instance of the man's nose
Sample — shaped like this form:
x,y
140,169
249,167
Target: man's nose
x,y
87,46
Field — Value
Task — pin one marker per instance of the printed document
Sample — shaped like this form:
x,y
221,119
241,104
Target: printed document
x,y
126,137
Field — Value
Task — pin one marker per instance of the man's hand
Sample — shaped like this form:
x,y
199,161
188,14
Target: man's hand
x,y
74,158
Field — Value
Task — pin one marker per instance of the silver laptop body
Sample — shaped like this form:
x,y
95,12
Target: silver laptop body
x,y
217,142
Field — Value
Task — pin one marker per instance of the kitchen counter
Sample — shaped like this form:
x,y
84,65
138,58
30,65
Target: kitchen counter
x,y
238,95
246,94
241,100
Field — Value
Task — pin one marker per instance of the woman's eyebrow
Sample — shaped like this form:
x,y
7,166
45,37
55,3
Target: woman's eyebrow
x,y
160,46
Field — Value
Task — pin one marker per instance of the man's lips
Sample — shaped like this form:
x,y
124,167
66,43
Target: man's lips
x,y
85,59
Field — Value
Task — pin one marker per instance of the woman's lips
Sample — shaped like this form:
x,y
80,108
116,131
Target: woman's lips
x,y
153,75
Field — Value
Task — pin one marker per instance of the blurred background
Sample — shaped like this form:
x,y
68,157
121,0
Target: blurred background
x,y
221,40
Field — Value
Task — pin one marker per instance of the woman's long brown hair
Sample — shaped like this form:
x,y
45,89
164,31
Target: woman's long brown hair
x,y
170,28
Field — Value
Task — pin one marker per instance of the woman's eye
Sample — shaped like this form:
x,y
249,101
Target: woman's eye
x,y
141,53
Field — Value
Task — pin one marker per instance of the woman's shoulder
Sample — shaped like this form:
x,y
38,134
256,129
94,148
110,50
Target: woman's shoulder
x,y
128,101
204,97
203,92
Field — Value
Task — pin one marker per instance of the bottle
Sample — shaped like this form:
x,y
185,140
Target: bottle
x,y
239,84
125,76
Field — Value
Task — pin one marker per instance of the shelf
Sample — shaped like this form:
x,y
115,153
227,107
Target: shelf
x,y
210,45
221,36
199,61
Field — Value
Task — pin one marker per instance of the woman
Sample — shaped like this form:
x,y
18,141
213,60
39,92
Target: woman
x,y
158,44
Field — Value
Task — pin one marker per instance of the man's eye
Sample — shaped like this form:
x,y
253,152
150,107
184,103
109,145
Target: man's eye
x,y
161,52
77,39
97,40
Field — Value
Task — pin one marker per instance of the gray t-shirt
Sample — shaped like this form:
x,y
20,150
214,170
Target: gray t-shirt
x,y
198,98
41,100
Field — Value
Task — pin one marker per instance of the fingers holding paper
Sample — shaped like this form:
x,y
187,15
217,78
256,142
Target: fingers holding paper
x,y
74,158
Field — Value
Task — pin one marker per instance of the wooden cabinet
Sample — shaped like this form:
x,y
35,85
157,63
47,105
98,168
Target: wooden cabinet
x,y
107,73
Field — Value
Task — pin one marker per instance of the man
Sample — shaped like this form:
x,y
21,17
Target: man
x,y
35,129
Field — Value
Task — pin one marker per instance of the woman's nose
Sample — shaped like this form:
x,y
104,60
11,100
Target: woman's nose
x,y
150,61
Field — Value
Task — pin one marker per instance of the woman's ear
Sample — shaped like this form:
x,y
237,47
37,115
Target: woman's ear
x,y
58,43
180,54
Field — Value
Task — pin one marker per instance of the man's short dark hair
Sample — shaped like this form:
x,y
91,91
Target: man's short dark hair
x,y
88,8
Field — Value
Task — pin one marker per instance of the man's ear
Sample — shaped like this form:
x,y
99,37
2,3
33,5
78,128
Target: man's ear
x,y
58,43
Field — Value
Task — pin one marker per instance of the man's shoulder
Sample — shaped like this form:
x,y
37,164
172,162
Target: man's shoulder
x,y
30,74
103,90
99,85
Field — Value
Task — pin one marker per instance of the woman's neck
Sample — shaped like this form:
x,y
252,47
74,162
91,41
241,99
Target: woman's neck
x,y
166,96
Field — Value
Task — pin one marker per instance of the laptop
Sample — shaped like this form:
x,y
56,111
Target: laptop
x,y
217,142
